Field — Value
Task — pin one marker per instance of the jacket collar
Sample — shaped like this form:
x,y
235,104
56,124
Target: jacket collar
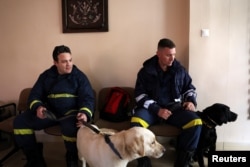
x,y
151,64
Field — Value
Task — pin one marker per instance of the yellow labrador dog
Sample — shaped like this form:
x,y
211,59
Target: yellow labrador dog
x,y
116,149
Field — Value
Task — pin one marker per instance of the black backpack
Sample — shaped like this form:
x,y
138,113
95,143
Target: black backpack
x,y
116,108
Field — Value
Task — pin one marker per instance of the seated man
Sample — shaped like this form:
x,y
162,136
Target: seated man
x,y
64,90
164,92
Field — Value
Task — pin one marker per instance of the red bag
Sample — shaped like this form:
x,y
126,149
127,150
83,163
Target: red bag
x,y
116,108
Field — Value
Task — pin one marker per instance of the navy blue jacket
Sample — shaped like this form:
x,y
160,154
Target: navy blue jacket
x,y
63,94
147,88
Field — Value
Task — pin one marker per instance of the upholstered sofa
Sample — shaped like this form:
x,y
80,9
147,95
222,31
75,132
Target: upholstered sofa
x,y
159,130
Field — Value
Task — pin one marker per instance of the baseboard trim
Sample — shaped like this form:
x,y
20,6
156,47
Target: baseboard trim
x,y
232,146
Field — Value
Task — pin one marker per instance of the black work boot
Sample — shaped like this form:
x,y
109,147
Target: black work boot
x,y
35,156
183,158
144,162
71,159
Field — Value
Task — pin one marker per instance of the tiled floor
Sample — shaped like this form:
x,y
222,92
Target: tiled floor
x,y
54,154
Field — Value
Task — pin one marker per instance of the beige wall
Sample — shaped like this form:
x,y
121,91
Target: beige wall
x,y
30,29
220,63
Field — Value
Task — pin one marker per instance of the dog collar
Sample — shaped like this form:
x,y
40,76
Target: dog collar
x,y
207,125
210,119
111,145
211,123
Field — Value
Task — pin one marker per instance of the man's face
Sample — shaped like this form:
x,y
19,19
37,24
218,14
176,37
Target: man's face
x,y
64,64
166,56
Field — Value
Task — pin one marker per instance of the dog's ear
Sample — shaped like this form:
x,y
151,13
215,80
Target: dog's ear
x,y
216,113
220,113
136,146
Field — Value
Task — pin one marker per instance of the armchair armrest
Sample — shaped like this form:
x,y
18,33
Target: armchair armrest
x,y
7,110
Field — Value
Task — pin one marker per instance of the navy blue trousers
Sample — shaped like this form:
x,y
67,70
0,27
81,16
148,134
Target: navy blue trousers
x,y
188,121
26,123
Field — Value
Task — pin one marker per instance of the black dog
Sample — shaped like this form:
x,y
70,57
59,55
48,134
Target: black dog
x,y
212,116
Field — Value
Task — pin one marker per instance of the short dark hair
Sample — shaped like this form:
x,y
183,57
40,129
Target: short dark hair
x,y
60,49
163,43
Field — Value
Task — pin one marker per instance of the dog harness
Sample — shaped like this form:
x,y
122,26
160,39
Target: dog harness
x,y
106,137
111,145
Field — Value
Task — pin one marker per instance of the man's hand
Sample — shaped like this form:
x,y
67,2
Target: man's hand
x,y
81,117
40,112
189,106
164,113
